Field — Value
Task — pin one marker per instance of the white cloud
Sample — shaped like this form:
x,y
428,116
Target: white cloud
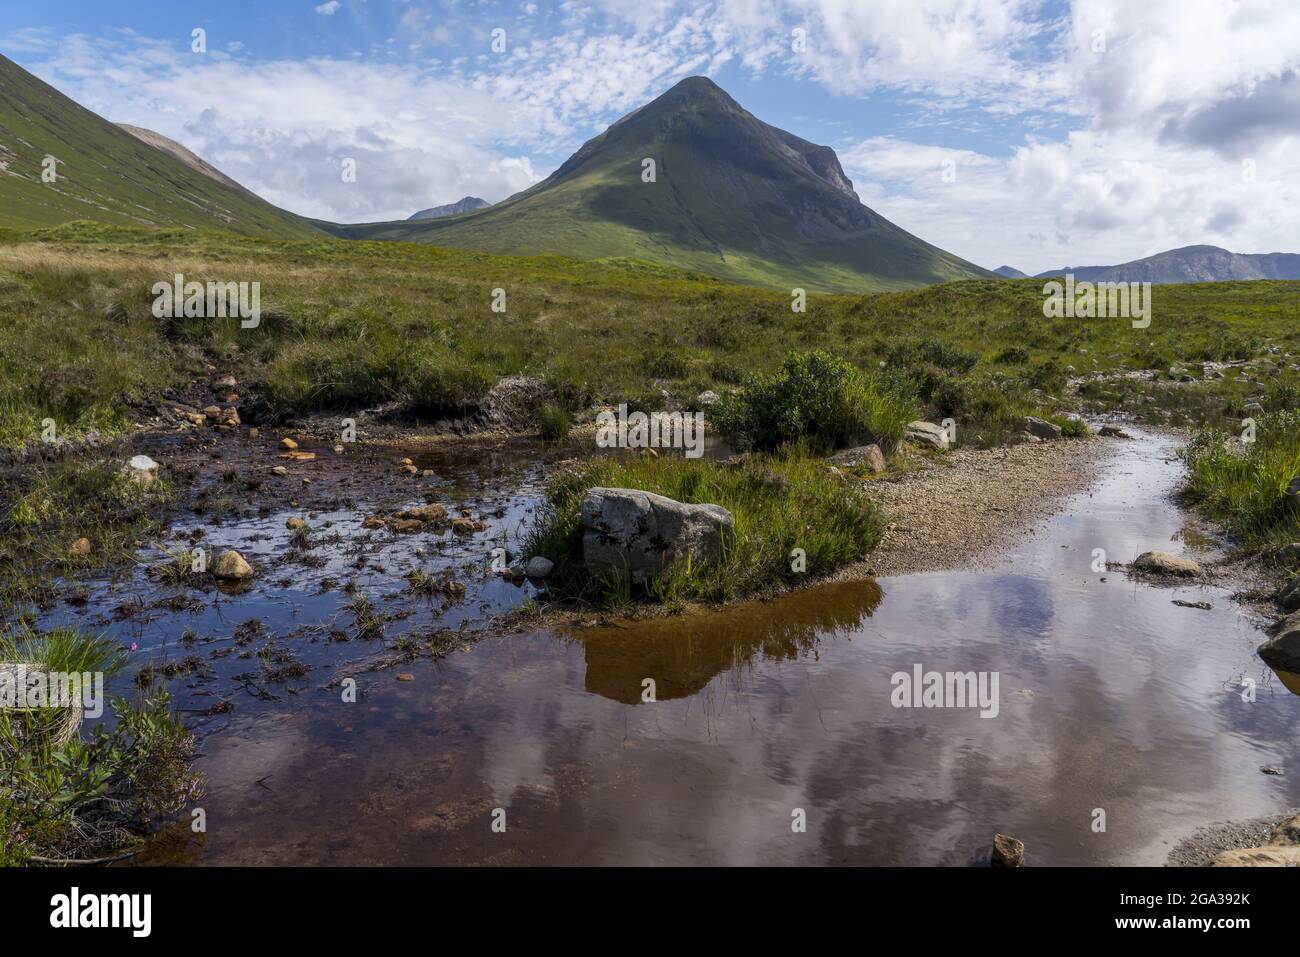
x,y
328,9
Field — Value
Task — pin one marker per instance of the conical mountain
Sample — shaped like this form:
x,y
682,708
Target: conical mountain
x,y
730,195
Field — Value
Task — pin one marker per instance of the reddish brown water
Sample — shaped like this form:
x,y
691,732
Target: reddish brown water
x,y
1111,698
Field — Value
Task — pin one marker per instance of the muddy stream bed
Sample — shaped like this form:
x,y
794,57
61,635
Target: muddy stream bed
x,y
1111,697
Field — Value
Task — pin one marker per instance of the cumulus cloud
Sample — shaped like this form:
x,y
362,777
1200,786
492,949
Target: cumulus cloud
x,y
328,9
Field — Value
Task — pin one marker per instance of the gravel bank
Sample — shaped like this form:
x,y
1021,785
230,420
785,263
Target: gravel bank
x,y
1213,839
948,511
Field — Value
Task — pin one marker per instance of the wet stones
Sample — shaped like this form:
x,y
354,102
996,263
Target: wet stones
x,y
1167,564
1282,651
231,566
538,567
628,531
1007,851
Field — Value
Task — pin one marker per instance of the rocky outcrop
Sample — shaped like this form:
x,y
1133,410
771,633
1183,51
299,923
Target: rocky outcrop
x,y
628,531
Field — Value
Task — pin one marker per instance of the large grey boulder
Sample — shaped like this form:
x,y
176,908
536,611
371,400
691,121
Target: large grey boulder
x,y
626,530
927,433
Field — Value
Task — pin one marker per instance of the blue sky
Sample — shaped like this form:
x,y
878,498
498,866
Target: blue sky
x,y
1036,132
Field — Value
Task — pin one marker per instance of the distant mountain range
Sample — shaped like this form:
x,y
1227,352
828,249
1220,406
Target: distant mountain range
x,y
726,194
466,205
1189,264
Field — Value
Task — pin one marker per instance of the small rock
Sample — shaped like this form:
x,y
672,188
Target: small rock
x,y
1289,597
927,433
279,470
1041,428
463,526
410,469
295,523
1202,605
194,418
1113,431
425,513
225,382
142,469
1007,851
404,676
338,450
254,433
538,567
869,456
406,526
1166,563
212,411
80,548
708,397
374,521
288,444
232,567
1270,770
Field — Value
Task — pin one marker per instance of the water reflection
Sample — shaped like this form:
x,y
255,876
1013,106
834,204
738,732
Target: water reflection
x,y
683,655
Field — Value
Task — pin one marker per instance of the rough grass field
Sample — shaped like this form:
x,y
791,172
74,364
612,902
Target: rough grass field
x,y
352,325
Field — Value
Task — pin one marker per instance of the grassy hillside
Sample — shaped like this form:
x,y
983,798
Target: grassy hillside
x,y
108,175
350,325
733,197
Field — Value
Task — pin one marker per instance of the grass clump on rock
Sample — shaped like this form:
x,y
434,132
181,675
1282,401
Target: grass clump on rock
x,y
780,502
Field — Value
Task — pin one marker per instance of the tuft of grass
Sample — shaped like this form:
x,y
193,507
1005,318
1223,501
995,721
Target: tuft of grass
x,y
89,796
1243,485
553,421
780,502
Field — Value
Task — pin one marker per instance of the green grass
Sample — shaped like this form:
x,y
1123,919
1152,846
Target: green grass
x,y
100,790
1243,485
780,502
351,325
106,174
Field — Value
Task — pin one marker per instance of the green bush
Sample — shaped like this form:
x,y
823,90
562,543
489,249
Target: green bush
x,y
817,398
934,351
1245,487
